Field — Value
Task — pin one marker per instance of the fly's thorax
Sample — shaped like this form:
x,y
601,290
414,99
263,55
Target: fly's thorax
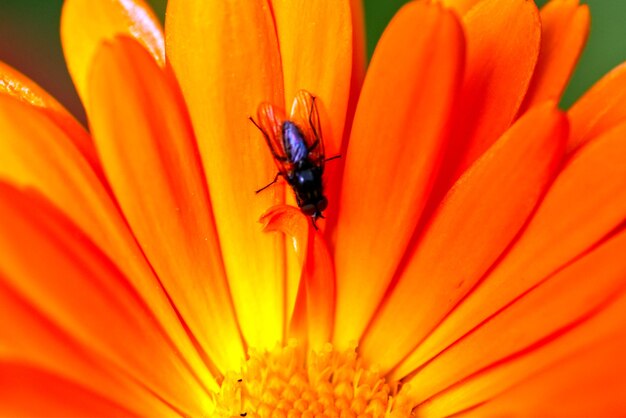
x,y
305,177
306,181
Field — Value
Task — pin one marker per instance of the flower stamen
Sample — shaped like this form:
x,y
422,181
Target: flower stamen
x,y
285,382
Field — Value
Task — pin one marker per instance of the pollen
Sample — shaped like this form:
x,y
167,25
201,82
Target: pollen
x,y
288,382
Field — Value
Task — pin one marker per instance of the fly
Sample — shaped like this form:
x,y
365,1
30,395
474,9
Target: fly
x,y
298,149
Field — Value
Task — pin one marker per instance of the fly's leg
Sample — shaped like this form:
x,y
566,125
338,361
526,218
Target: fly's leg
x,y
314,224
279,174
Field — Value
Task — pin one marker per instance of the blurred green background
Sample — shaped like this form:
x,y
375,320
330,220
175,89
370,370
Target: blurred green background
x,y
29,41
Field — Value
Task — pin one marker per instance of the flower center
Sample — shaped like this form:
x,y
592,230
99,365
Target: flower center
x,y
285,382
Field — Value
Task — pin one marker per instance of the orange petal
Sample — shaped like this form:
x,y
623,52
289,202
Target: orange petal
x,y
79,290
226,58
600,109
35,153
583,384
313,310
502,46
585,203
564,30
479,217
85,24
579,306
29,330
148,151
334,171
26,391
359,58
396,141
15,84
460,6
311,35
22,339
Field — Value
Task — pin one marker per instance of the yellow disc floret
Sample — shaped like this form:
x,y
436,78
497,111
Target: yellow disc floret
x,y
286,382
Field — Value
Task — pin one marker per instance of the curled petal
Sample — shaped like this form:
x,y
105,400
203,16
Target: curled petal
x,y
313,312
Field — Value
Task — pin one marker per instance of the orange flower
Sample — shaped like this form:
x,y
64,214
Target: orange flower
x,y
472,250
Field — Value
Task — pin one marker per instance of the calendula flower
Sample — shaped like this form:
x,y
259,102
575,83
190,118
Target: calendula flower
x,y
472,256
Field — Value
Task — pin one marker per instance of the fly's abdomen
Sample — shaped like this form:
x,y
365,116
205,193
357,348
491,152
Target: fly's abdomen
x,y
295,146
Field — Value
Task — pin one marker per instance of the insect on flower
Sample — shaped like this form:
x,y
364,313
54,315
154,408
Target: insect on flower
x,y
298,149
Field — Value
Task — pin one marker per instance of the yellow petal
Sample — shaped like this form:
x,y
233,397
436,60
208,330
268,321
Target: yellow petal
x,y
225,56
148,151
311,35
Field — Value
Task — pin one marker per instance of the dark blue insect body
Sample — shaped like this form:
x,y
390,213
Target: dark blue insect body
x,y
298,150
306,176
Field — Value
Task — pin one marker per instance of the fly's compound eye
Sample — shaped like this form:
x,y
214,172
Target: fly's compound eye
x,y
322,204
309,209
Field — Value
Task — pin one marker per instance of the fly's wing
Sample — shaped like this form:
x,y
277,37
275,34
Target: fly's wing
x,y
304,114
270,120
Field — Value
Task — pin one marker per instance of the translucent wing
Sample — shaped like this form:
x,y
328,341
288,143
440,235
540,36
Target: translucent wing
x,y
270,121
304,114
